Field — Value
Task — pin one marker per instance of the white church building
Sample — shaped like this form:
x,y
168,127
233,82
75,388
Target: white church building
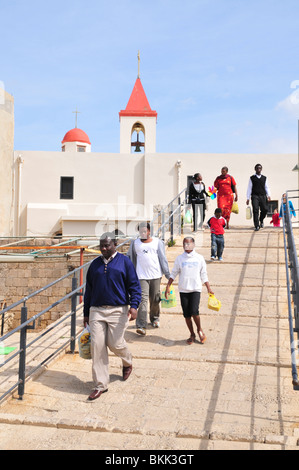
x,y
45,193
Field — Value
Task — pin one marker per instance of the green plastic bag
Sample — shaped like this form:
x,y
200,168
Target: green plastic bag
x,y
188,218
170,301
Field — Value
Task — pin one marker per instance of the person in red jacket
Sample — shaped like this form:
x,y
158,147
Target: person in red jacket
x,y
217,224
275,219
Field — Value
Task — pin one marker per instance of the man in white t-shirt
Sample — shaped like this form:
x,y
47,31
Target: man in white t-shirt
x,y
192,271
148,256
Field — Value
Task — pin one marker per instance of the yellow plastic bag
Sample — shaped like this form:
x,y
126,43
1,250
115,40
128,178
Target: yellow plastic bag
x,y
170,301
235,208
84,342
213,303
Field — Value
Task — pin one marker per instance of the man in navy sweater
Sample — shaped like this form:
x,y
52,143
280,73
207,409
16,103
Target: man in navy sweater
x,y
111,300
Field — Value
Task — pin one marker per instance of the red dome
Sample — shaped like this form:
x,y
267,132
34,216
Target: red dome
x,y
76,135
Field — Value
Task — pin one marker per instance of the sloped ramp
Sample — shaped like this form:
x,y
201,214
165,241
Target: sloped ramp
x,y
233,392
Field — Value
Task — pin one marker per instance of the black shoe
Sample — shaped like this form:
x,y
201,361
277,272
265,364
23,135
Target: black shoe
x,y
262,225
256,229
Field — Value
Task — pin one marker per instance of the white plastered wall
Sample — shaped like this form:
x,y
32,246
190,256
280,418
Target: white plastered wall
x,y
73,146
103,184
127,186
6,162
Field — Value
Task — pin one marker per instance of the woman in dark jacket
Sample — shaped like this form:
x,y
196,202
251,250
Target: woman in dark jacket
x,y
196,197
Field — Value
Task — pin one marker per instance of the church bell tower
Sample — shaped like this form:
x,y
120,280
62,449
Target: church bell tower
x,y
138,122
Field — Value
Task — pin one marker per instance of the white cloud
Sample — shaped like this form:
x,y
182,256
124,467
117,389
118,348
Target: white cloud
x,y
290,104
187,103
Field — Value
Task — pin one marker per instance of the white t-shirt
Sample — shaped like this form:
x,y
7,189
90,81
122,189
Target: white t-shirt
x,y
192,271
198,186
148,265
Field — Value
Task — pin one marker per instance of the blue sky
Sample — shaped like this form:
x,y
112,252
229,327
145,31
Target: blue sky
x,y
222,74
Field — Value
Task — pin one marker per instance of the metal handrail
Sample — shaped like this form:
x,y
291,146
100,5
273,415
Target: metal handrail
x,y
169,204
171,212
76,291
292,270
169,219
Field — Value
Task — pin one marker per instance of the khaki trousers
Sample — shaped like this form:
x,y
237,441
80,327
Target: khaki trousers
x,y
150,291
107,328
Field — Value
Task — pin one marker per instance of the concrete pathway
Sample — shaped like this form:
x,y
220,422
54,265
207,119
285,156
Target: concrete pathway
x,y
233,392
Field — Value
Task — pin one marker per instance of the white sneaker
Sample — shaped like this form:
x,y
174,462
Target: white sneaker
x,y
213,258
141,331
156,324
220,259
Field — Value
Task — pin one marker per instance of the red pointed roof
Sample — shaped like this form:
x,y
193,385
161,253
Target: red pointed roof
x,y
76,135
138,104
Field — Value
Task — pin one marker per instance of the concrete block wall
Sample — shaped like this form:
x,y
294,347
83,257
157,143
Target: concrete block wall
x,y
18,280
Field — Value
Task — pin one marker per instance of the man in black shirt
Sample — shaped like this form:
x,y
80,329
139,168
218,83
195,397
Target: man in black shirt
x,y
259,192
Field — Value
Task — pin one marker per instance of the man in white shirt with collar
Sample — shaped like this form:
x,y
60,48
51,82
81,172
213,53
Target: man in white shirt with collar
x,y
259,192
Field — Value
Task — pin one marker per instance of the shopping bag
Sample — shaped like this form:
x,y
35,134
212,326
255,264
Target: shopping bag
x,y
248,213
188,218
235,208
170,301
84,343
213,303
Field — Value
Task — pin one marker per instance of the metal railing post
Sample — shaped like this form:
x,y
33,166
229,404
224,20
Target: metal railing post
x,y
22,357
171,222
162,222
81,271
152,227
73,315
2,324
179,217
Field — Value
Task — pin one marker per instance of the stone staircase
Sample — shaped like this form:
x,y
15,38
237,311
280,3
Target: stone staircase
x,y
234,392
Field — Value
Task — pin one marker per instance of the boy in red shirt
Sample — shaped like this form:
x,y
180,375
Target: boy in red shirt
x,y
217,224
275,219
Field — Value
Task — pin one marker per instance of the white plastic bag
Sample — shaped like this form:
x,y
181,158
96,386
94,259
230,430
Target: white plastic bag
x,y
84,343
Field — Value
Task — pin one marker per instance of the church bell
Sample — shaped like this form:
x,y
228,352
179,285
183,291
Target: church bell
x,y
137,144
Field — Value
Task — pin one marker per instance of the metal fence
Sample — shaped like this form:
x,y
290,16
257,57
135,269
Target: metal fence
x,y
292,276
27,324
167,221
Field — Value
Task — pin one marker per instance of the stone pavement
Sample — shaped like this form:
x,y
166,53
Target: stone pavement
x,y
234,392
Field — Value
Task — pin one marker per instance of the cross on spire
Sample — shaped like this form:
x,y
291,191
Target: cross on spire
x,y
138,56
76,112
